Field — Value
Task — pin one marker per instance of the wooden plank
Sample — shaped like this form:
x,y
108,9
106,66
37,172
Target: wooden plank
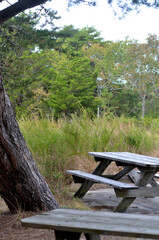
x,y
144,179
125,157
148,192
99,179
87,184
92,236
152,181
123,172
94,222
125,178
134,176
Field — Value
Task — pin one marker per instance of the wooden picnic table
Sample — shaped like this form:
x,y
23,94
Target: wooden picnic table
x,y
68,224
140,169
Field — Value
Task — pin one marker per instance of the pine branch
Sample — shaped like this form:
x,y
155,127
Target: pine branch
x,y
18,7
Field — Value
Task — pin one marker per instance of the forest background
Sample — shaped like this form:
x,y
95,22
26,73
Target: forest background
x,y
59,72
73,92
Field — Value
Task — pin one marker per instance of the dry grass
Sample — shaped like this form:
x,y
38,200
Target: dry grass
x,y
58,146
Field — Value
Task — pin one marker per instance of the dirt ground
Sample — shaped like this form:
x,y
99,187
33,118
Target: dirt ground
x,y
11,228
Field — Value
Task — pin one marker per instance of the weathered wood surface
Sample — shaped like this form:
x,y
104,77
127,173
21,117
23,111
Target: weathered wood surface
x,y
147,166
97,222
145,178
87,184
124,179
123,172
148,192
100,179
125,157
152,182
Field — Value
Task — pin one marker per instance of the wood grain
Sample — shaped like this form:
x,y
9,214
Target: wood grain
x,y
94,222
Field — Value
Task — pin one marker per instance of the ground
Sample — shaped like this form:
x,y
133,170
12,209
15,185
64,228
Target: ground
x,y
11,229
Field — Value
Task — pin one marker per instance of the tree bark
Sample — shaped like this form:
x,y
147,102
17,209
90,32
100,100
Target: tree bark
x,y
143,105
18,7
21,185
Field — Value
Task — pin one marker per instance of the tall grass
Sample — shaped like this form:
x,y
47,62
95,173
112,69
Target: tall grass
x,y
64,144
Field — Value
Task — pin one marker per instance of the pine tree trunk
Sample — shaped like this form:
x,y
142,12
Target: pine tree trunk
x,y
143,105
21,184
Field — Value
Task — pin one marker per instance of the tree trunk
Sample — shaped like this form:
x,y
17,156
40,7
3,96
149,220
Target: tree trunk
x,y
18,7
21,185
143,105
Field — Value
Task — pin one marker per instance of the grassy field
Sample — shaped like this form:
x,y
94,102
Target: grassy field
x,y
60,145
64,144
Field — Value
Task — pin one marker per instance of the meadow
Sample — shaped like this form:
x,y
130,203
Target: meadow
x,y
58,145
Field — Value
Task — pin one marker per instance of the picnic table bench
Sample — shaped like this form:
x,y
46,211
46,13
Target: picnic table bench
x,y
68,224
140,169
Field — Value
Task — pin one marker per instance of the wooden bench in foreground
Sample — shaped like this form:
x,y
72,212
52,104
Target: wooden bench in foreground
x,y
68,224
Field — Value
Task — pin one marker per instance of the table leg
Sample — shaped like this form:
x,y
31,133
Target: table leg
x,y
144,179
135,176
87,184
123,172
62,235
90,236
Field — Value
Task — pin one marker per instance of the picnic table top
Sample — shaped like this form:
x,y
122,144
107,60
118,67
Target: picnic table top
x,y
96,222
128,158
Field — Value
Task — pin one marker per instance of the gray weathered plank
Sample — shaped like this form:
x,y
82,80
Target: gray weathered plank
x,y
87,184
152,181
99,179
144,179
148,192
94,222
123,172
125,157
134,176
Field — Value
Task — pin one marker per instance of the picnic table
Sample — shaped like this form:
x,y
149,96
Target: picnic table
x,y
140,169
68,224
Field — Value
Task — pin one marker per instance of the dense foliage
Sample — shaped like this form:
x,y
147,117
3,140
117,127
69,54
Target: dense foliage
x,y
54,72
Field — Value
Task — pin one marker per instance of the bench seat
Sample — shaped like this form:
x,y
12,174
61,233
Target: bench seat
x,y
98,179
70,223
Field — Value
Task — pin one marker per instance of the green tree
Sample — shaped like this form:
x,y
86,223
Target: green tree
x,y
141,71
40,70
107,59
74,88
72,42
54,83
153,45
22,185
20,35
36,70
